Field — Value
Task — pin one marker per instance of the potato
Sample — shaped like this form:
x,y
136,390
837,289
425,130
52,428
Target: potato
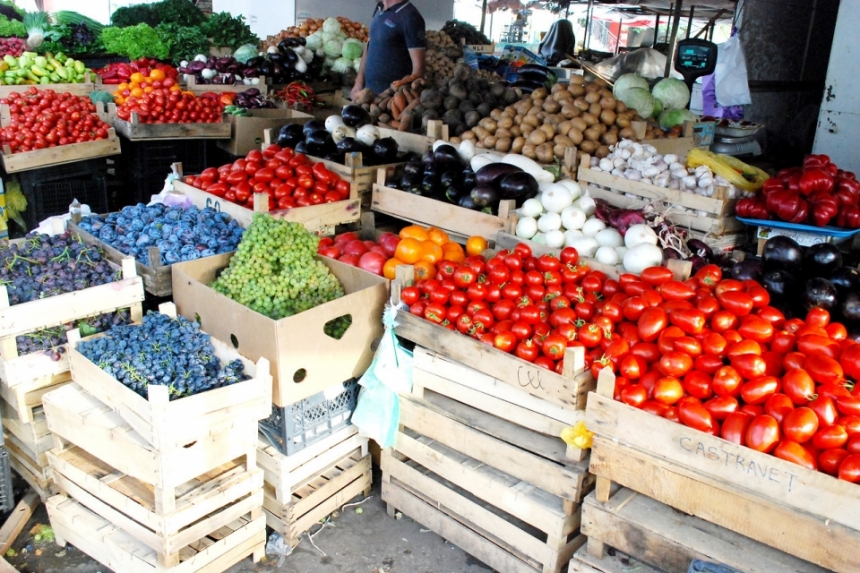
x,y
600,127
595,109
501,132
593,87
557,88
489,124
589,119
576,90
608,102
490,142
575,136
456,140
548,130
481,133
517,145
592,134
503,144
620,106
563,140
540,93
551,106
470,135
569,111
626,133
559,150
576,80
592,97
587,146
516,131
622,121
537,137
609,139
607,117
561,96
544,153
527,128
563,127
529,151
535,109
578,123
496,114
581,104
601,152
531,120
506,122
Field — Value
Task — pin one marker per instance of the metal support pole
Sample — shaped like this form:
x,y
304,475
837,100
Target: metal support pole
x,y
690,21
483,15
618,39
670,56
588,15
656,32
669,22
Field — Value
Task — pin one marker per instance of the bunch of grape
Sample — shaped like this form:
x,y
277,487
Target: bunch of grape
x,y
42,266
51,340
181,234
275,271
162,351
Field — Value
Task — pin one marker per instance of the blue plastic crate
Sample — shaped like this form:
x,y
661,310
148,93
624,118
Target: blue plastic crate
x,y
698,566
293,428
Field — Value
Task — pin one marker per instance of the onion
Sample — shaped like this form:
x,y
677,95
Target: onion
x,y
639,234
587,204
592,227
609,238
554,239
585,246
573,218
607,256
526,227
549,222
573,187
642,256
571,235
532,208
556,198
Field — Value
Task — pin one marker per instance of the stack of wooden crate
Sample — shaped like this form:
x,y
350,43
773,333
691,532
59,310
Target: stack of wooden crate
x,y
667,494
479,458
24,380
158,485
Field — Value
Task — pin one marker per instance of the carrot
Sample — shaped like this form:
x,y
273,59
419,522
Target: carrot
x,y
407,93
400,101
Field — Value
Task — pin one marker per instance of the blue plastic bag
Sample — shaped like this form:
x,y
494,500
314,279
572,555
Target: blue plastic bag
x,y
377,414
698,566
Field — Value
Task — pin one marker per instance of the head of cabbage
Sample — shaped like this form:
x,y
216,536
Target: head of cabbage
x,y
314,42
333,49
673,93
331,25
639,99
352,49
674,117
628,81
245,53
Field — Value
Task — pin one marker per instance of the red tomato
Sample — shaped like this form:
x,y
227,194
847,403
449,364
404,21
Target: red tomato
x,y
799,386
783,342
505,341
762,434
723,320
675,364
656,276
553,346
527,350
651,323
848,405
829,460
793,360
825,408
753,327
749,366
800,425
714,344
668,390
811,344
793,452
849,469
758,390
690,320
727,381
676,290
818,317
823,368
829,437
735,427
736,302
779,406
722,407
696,416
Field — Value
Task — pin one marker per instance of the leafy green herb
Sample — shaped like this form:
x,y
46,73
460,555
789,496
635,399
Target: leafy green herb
x,y
229,31
9,28
182,12
135,42
183,42
11,11
132,15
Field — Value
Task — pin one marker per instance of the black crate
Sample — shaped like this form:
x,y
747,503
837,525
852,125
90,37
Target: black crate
x,y
146,164
75,170
7,495
97,62
48,198
295,427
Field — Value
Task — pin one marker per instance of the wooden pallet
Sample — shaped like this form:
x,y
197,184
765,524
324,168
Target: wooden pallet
x,y
615,190
568,390
170,424
34,435
511,414
203,505
136,131
669,540
318,498
113,547
76,417
804,513
510,525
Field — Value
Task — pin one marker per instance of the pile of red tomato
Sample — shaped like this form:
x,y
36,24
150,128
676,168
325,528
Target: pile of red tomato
x,y
708,352
45,118
289,179
368,255
172,106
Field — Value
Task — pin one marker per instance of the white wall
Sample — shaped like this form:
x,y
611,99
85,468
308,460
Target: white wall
x,y
435,12
266,17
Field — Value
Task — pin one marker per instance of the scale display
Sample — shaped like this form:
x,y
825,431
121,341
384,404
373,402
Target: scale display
x,y
695,58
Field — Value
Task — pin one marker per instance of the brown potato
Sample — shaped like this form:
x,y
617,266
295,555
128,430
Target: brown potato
x,y
537,137
561,96
529,151
601,152
622,121
620,106
592,97
558,151
490,142
481,133
569,111
576,90
551,106
563,127
516,131
535,109
544,153
540,93
504,144
608,102
468,135
589,119
609,139
576,80
496,114
578,123
601,128
595,109
548,130
563,140
500,133
527,128
531,120
587,146
581,104
489,124
505,122
592,134
557,88
607,116
538,102
593,87
575,136
517,145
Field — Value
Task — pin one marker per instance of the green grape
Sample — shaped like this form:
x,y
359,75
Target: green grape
x,y
275,271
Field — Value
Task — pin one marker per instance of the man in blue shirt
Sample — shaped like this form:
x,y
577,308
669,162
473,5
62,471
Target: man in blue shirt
x,y
396,50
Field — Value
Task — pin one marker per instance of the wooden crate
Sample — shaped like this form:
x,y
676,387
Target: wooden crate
x,y
720,209
695,134
25,399
320,219
669,540
508,524
34,435
193,86
616,562
170,424
300,352
79,89
59,155
113,547
313,501
568,390
32,467
136,131
76,417
249,130
203,505
804,513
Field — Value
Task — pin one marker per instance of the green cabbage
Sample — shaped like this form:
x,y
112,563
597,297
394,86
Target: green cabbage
x,y
245,53
333,49
658,107
628,81
331,25
352,49
342,66
314,42
639,99
674,117
673,93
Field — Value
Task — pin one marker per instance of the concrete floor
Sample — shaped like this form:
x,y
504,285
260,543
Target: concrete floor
x,y
366,542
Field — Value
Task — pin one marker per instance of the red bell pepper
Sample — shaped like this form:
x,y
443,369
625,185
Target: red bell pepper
x,y
752,208
824,210
802,212
852,186
815,161
784,204
814,180
849,217
773,184
793,183
844,197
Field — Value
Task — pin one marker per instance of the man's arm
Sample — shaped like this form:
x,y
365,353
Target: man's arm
x,y
418,56
359,79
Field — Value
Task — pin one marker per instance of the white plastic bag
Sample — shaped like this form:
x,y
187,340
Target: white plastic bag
x,y
732,82
168,196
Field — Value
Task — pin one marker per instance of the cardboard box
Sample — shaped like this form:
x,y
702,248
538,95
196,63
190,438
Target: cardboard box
x,y
295,345
247,132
